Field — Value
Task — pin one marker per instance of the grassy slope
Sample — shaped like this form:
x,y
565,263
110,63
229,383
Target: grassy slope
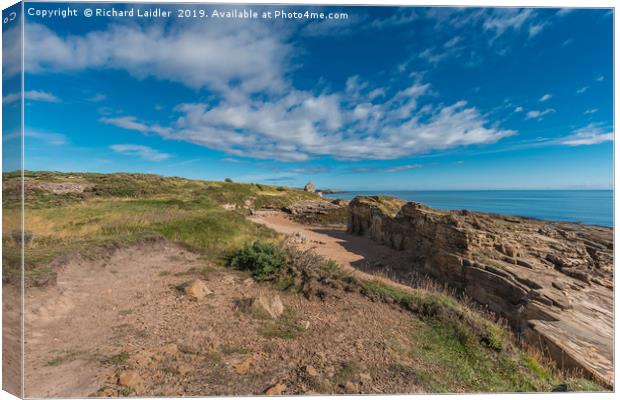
x,y
453,351
120,209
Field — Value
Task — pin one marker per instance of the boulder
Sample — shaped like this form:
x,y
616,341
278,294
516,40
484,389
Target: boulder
x,y
184,369
275,390
270,304
131,380
243,367
197,289
311,371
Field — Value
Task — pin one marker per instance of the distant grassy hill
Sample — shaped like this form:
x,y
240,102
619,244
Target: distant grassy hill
x,y
86,213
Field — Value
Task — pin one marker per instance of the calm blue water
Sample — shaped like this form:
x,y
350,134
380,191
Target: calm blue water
x,y
594,207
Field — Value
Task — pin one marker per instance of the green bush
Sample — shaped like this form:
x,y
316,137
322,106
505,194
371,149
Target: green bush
x,y
262,259
228,180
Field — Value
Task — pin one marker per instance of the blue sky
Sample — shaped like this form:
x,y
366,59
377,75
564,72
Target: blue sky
x,y
391,98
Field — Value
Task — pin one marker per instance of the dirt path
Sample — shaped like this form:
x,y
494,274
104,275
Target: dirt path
x,y
356,254
74,327
124,314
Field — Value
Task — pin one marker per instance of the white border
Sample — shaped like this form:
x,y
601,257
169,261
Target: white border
x,y
470,3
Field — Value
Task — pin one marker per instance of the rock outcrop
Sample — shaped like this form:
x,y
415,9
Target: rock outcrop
x,y
320,212
552,281
197,289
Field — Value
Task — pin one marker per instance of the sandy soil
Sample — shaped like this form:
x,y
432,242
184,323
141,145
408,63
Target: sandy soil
x,y
125,314
356,254
11,339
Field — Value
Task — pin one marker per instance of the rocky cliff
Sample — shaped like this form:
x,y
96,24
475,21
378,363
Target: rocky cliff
x,y
552,281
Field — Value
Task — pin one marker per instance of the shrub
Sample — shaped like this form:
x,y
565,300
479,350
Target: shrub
x,y
262,259
228,180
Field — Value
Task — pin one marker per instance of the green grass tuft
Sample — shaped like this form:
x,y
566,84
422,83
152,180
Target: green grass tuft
x,y
285,327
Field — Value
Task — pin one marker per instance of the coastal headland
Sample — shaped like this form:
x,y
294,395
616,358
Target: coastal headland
x,y
139,284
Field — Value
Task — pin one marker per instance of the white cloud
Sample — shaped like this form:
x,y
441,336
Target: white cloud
x,y
564,11
433,56
332,27
399,168
453,42
503,19
496,22
11,52
399,18
38,95
257,111
231,160
33,95
97,98
218,55
582,89
11,98
50,138
518,109
600,78
534,29
588,135
567,42
126,123
357,23
538,114
394,168
300,125
131,123
144,152
545,97
590,111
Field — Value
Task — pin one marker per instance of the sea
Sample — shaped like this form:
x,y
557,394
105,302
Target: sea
x,y
592,207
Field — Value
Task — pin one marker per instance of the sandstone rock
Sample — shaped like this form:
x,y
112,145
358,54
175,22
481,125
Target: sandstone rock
x,y
317,212
311,207
243,367
350,387
276,389
197,289
311,371
558,285
270,304
298,238
131,380
365,378
184,369
513,265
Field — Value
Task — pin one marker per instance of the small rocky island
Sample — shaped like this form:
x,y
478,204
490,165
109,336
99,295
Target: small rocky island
x,y
552,281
